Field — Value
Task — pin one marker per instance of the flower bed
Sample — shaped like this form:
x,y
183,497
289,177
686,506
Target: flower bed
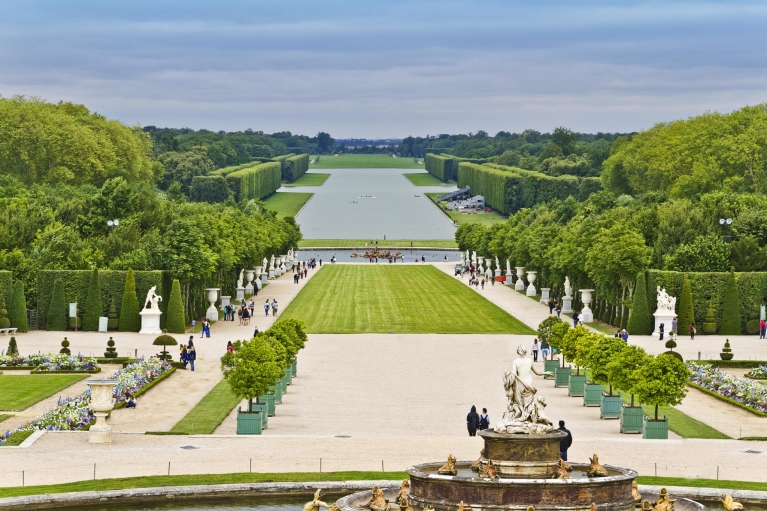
x,y
760,373
44,362
74,414
751,395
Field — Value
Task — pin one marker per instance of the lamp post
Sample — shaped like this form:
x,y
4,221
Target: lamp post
x,y
113,223
726,223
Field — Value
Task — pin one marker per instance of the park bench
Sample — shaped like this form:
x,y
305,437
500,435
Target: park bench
x,y
6,331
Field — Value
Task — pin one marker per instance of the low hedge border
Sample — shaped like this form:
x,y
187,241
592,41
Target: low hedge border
x,y
727,399
17,438
117,360
733,364
144,389
67,371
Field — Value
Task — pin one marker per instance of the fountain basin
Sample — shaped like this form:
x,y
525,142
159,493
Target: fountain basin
x,y
533,456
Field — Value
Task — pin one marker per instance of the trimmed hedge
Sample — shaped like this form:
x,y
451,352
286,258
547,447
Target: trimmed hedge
x,y
727,399
685,315
502,190
175,323
445,167
255,182
295,167
225,171
17,308
112,283
129,321
148,386
282,159
6,286
731,323
57,309
210,189
93,306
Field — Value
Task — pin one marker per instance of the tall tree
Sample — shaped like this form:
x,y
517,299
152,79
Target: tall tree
x,y
251,369
93,307
730,324
57,309
175,322
686,315
640,320
129,321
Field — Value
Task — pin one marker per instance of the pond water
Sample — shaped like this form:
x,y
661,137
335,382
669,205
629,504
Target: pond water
x,y
345,255
261,503
371,203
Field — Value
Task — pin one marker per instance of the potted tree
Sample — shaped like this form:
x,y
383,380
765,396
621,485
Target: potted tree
x,y
299,339
281,358
165,340
250,370
597,360
662,382
566,346
624,374
546,332
578,381
570,343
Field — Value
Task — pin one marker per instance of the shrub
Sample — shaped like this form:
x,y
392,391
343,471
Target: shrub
x,y
752,326
251,369
93,308
129,321
598,357
13,348
671,344
111,351
210,189
65,347
255,182
545,330
165,340
730,324
175,322
17,312
709,326
6,286
624,369
112,322
57,310
726,353
686,314
662,382
4,321
639,322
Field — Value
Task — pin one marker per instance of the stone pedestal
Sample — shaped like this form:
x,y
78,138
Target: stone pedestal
x,y
498,273
545,295
509,278
264,280
520,285
665,317
212,313
587,316
257,284
102,403
567,304
531,291
240,294
226,300
272,274
150,321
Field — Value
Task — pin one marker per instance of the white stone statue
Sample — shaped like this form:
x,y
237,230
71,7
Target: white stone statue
x,y
265,264
151,299
567,286
271,263
474,257
497,264
665,302
508,267
524,412
467,257
239,281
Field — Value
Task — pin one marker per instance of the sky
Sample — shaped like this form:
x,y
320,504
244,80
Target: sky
x,y
371,69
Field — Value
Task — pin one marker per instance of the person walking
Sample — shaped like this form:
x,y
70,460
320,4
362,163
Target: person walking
x,y
576,316
191,354
252,306
545,349
566,442
483,284
484,420
559,309
274,307
762,329
674,326
184,357
266,307
692,331
552,303
229,347
661,327
625,335
536,346
472,421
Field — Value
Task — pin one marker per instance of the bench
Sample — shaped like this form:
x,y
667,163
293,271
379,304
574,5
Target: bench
x,y
7,331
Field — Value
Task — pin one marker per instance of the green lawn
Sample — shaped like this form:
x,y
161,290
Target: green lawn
x,y
363,161
424,179
204,418
347,299
4,416
481,218
309,179
22,391
17,438
702,483
287,203
381,243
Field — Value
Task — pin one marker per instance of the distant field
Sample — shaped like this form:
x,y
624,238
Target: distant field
x,y
424,179
381,243
309,179
287,203
352,298
363,161
482,218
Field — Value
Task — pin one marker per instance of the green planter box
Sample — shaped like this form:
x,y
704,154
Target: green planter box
x,y
248,423
611,406
631,419
289,375
576,384
550,365
562,376
277,390
262,407
284,384
294,367
653,429
592,394
269,400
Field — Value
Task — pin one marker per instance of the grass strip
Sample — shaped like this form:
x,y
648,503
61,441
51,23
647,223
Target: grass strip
x,y
4,416
17,438
18,392
474,218
679,422
363,161
727,399
381,243
754,438
147,387
286,203
702,483
309,179
424,179
209,413
197,479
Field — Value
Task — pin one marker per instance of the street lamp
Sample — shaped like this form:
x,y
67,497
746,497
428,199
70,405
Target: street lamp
x,y
113,223
725,223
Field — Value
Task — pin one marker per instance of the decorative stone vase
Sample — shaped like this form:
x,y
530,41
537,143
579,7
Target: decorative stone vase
x,y
550,365
102,403
592,394
632,419
212,313
576,384
269,400
531,291
249,282
480,260
656,430
610,407
562,376
586,314
520,285
248,423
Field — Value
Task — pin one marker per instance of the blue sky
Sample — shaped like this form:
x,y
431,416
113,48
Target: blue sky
x,y
388,68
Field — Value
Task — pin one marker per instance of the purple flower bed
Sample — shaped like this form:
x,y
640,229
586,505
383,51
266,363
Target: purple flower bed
x,y
749,393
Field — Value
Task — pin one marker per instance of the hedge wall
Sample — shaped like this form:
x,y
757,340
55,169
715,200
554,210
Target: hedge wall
x,y
209,189
752,291
225,171
255,182
445,167
587,186
502,190
6,287
282,159
112,285
295,167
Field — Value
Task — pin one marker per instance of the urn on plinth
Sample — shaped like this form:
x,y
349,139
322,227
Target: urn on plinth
x,y
212,313
249,282
587,316
520,285
531,291
102,403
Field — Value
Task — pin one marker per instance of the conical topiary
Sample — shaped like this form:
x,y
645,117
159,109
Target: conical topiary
x,y
686,315
13,348
17,312
93,308
709,326
113,321
111,351
175,323
65,347
57,309
130,321
4,321
639,322
726,353
730,324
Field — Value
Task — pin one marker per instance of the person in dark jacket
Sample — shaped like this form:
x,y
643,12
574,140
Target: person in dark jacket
x,y
566,442
472,421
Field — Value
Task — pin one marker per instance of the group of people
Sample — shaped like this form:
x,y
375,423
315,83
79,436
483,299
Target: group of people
x,y
475,421
301,270
205,332
542,346
188,353
273,306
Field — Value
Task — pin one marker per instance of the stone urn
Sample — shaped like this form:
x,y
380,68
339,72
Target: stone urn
x,y
531,291
257,278
480,260
212,293
102,403
249,281
520,285
586,315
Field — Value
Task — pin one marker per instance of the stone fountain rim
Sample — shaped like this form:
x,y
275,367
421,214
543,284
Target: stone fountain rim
x,y
516,437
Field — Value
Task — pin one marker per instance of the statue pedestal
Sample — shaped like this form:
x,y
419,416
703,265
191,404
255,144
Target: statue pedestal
x,y
150,321
498,273
225,300
257,284
587,316
271,274
520,285
567,304
240,294
264,280
249,290
545,295
531,291
665,317
212,313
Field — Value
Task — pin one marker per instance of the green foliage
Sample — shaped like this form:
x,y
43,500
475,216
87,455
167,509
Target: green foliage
x,y
93,306
571,340
175,318
295,167
65,347
598,357
731,322
705,253
254,182
747,256
17,310
624,369
57,309
709,326
662,382
444,166
640,321
209,189
686,315
13,348
546,329
726,353
6,286
130,321
113,321
251,369
111,351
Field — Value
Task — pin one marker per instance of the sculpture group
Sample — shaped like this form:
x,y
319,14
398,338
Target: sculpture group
x,y
525,409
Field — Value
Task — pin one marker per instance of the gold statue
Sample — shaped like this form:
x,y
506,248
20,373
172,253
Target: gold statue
x,y
404,505
448,469
593,506
477,465
635,494
460,506
404,490
490,471
428,508
664,502
316,503
595,469
561,471
729,504
378,502
530,508
646,506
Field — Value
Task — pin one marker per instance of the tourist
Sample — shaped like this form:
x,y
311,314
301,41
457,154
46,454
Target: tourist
x,y
191,354
423,259
266,307
184,357
552,303
535,348
661,327
252,306
245,317
566,442
692,331
575,318
274,307
762,329
130,400
484,420
229,347
625,335
559,309
306,272
674,325
255,289
206,327
545,349
239,315
320,263
472,421
483,284
617,333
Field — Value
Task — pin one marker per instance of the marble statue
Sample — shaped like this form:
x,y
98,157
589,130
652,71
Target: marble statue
x,y
567,286
271,263
474,257
524,412
508,267
265,264
595,469
448,469
316,503
467,257
497,264
665,302
239,281
490,471
152,298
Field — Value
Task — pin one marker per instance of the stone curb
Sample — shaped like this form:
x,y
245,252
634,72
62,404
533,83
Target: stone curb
x,y
708,493
55,500
31,439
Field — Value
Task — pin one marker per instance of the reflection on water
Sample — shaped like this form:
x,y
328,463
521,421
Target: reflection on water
x,y
268,503
345,255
